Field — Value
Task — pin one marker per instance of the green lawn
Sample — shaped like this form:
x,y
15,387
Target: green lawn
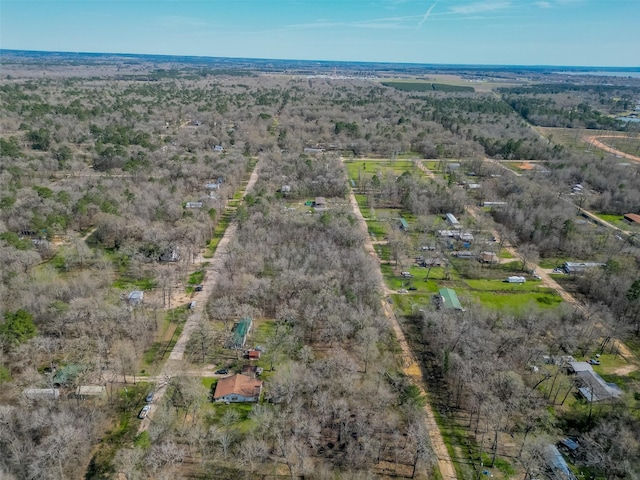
x,y
618,221
515,302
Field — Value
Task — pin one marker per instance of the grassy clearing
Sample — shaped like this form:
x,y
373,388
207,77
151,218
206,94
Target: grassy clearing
x,y
120,436
172,324
619,221
516,302
197,277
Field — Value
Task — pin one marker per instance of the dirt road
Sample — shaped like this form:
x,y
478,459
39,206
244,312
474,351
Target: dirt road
x,y
411,366
174,366
593,140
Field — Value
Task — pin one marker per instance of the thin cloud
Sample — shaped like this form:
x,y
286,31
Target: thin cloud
x,y
426,16
480,7
385,23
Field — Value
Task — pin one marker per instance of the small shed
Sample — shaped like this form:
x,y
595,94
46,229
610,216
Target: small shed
x,y
489,257
218,148
404,225
448,299
320,203
194,205
95,391
253,354
632,217
251,371
136,297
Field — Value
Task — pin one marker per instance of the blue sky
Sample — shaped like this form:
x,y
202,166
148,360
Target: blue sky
x,y
513,32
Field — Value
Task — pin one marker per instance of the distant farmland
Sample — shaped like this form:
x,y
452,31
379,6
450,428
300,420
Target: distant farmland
x,y
427,87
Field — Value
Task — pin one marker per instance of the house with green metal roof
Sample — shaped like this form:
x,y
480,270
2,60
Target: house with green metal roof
x,y
239,333
449,299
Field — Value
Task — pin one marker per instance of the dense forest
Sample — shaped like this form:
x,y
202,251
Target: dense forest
x,y
116,180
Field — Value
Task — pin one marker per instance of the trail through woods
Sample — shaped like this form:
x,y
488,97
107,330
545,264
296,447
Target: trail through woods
x,y
411,367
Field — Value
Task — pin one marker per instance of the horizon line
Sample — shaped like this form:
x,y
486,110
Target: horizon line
x,y
376,62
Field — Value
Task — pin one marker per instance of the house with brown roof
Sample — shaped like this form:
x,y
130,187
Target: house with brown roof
x,y
238,388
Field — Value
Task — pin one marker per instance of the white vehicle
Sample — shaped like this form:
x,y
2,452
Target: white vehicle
x,y
144,411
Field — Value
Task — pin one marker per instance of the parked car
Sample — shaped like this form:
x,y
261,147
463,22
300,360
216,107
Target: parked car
x,y
145,410
149,397
192,305
199,288
222,371
403,290
412,289
593,361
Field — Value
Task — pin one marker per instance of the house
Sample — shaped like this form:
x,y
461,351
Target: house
x,y
579,267
193,205
632,217
136,297
218,149
41,393
404,226
86,391
431,262
252,371
488,257
239,333
593,388
212,186
285,190
448,299
464,255
516,279
493,204
238,388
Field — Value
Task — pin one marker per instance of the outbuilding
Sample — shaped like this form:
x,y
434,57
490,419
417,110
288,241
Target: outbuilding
x,y
516,279
41,393
632,217
448,299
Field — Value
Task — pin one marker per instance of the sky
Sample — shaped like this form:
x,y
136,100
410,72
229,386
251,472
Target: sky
x,y
493,32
